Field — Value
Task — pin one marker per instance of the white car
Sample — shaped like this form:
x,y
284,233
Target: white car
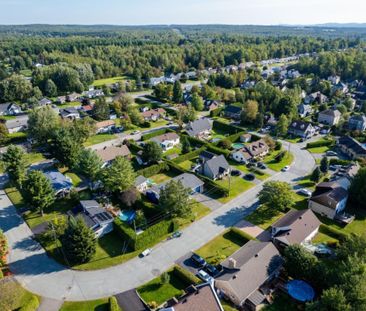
x,y
204,276
146,252
304,192
285,169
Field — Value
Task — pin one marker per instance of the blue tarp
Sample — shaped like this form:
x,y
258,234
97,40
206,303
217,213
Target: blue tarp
x,y
300,290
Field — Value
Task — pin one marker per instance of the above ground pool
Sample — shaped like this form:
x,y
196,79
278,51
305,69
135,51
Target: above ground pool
x,y
127,216
237,145
300,290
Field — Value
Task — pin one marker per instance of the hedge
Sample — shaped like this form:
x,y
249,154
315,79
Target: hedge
x,y
234,137
148,237
113,304
334,233
216,112
133,146
227,128
153,169
185,276
334,161
155,133
217,150
195,141
188,156
319,143
31,305
245,236
256,171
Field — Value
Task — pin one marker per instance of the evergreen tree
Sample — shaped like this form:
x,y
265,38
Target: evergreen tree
x,y
282,125
177,92
15,164
186,146
90,164
316,175
101,109
324,165
50,88
197,102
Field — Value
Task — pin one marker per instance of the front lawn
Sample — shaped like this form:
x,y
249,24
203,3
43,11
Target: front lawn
x,y
106,81
237,186
93,305
156,291
272,163
264,216
69,104
100,138
242,167
322,149
221,247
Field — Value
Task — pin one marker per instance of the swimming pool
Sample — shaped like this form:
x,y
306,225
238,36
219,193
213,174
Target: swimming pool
x,y
127,216
237,145
300,290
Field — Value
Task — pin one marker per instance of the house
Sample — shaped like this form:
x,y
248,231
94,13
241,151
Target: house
x,y
200,297
17,125
301,129
87,109
357,123
304,110
153,114
200,128
328,199
232,112
61,184
72,97
254,150
296,227
340,87
105,126
334,79
108,154
351,147
345,174
93,93
248,273
61,100
245,138
44,102
216,167
189,181
211,104
10,109
329,117
141,183
167,141
95,217
70,113
317,96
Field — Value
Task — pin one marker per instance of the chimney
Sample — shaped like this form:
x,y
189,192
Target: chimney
x,y
232,263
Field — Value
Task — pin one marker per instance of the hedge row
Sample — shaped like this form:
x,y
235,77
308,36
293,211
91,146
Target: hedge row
x,y
334,233
216,112
186,276
155,133
188,156
211,147
336,161
320,143
227,128
256,171
195,141
31,305
133,146
153,170
113,304
147,237
245,236
234,137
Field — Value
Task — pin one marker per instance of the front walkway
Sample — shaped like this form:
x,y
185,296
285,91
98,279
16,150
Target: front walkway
x,y
254,231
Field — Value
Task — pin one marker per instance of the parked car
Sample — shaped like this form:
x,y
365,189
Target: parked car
x,y
198,260
176,234
285,169
249,176
135,132
249,165
235,173
211,270
261,165
304,192
145,253
204,276
331,153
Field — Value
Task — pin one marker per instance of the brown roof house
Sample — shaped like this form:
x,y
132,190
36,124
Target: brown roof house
x,y
105,126
108,154
296,227
247,274
153,114
197,298
328,199
254,150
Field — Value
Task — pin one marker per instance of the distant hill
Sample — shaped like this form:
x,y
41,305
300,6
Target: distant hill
x,y
342,25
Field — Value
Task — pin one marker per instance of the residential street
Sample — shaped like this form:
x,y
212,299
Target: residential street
x,y
43,276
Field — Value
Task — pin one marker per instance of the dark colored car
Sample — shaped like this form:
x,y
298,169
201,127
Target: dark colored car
x,y
249,177
211,270
235,173
198,260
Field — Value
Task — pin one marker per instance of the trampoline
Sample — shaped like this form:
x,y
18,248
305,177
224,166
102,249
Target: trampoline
x,y
300,290
127,216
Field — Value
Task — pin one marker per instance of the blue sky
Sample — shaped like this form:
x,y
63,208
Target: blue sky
x,y
142,12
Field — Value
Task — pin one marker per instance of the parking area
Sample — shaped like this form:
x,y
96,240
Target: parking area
x,y
187,263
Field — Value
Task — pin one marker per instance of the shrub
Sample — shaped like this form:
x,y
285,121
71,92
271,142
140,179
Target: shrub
x,y
31,305
188,156
133,146
280,156
320,143
155,133
216,112
278,145
195,141
336,161
153,170
225,144
217,150
234,137
185,276
1,274
113,304
334,233
256,171
245,236
227,128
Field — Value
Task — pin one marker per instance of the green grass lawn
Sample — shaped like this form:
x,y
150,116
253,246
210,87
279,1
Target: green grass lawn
x,y
323,238
69,104
17,136
175,150
156,291
106,81
237,186
161,177
76,180
264,216
8,117
100,138
277,166
187,165
227,306
30,158
26,72
305,182
221,247
242,167
322,149
93,305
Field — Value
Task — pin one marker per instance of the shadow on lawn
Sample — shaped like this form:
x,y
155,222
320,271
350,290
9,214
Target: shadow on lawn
x,y
231,217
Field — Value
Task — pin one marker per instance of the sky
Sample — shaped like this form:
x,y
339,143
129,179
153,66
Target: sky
x,y
148,12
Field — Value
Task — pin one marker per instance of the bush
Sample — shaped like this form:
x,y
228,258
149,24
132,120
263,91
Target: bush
x,y
113,304
153,170
133,146
334,233
245,236
195,141
31,305
225,144
188,156
320,143
217,150
155,133
278,145
216,112
280,156
1,274
234,137
256,171
336,161
227,128
185,276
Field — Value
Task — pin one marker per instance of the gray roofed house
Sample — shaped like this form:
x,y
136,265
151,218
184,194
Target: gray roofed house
x,y
357,123
44,102
247,273
108,154
167,141
329,117
17,125
328,199
233,112
69,113
141,183
200,128
351,147
301,128
60,183
304,110
296,227
10,109
216,168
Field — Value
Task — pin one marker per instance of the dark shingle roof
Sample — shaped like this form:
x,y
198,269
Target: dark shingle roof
x,y
352,144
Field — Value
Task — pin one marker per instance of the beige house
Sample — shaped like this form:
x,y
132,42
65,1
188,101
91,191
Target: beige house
x,y
351,147
329,117
108,154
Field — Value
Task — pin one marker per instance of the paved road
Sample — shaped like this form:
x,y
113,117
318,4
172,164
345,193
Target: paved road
x,y
42,275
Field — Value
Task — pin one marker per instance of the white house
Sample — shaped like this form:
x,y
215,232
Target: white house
x,y
167,141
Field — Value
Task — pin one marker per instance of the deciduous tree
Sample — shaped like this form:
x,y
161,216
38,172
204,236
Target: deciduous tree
x,y
277,194
174,199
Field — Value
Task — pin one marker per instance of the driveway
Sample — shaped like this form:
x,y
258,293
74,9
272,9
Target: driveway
x,y
43,276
